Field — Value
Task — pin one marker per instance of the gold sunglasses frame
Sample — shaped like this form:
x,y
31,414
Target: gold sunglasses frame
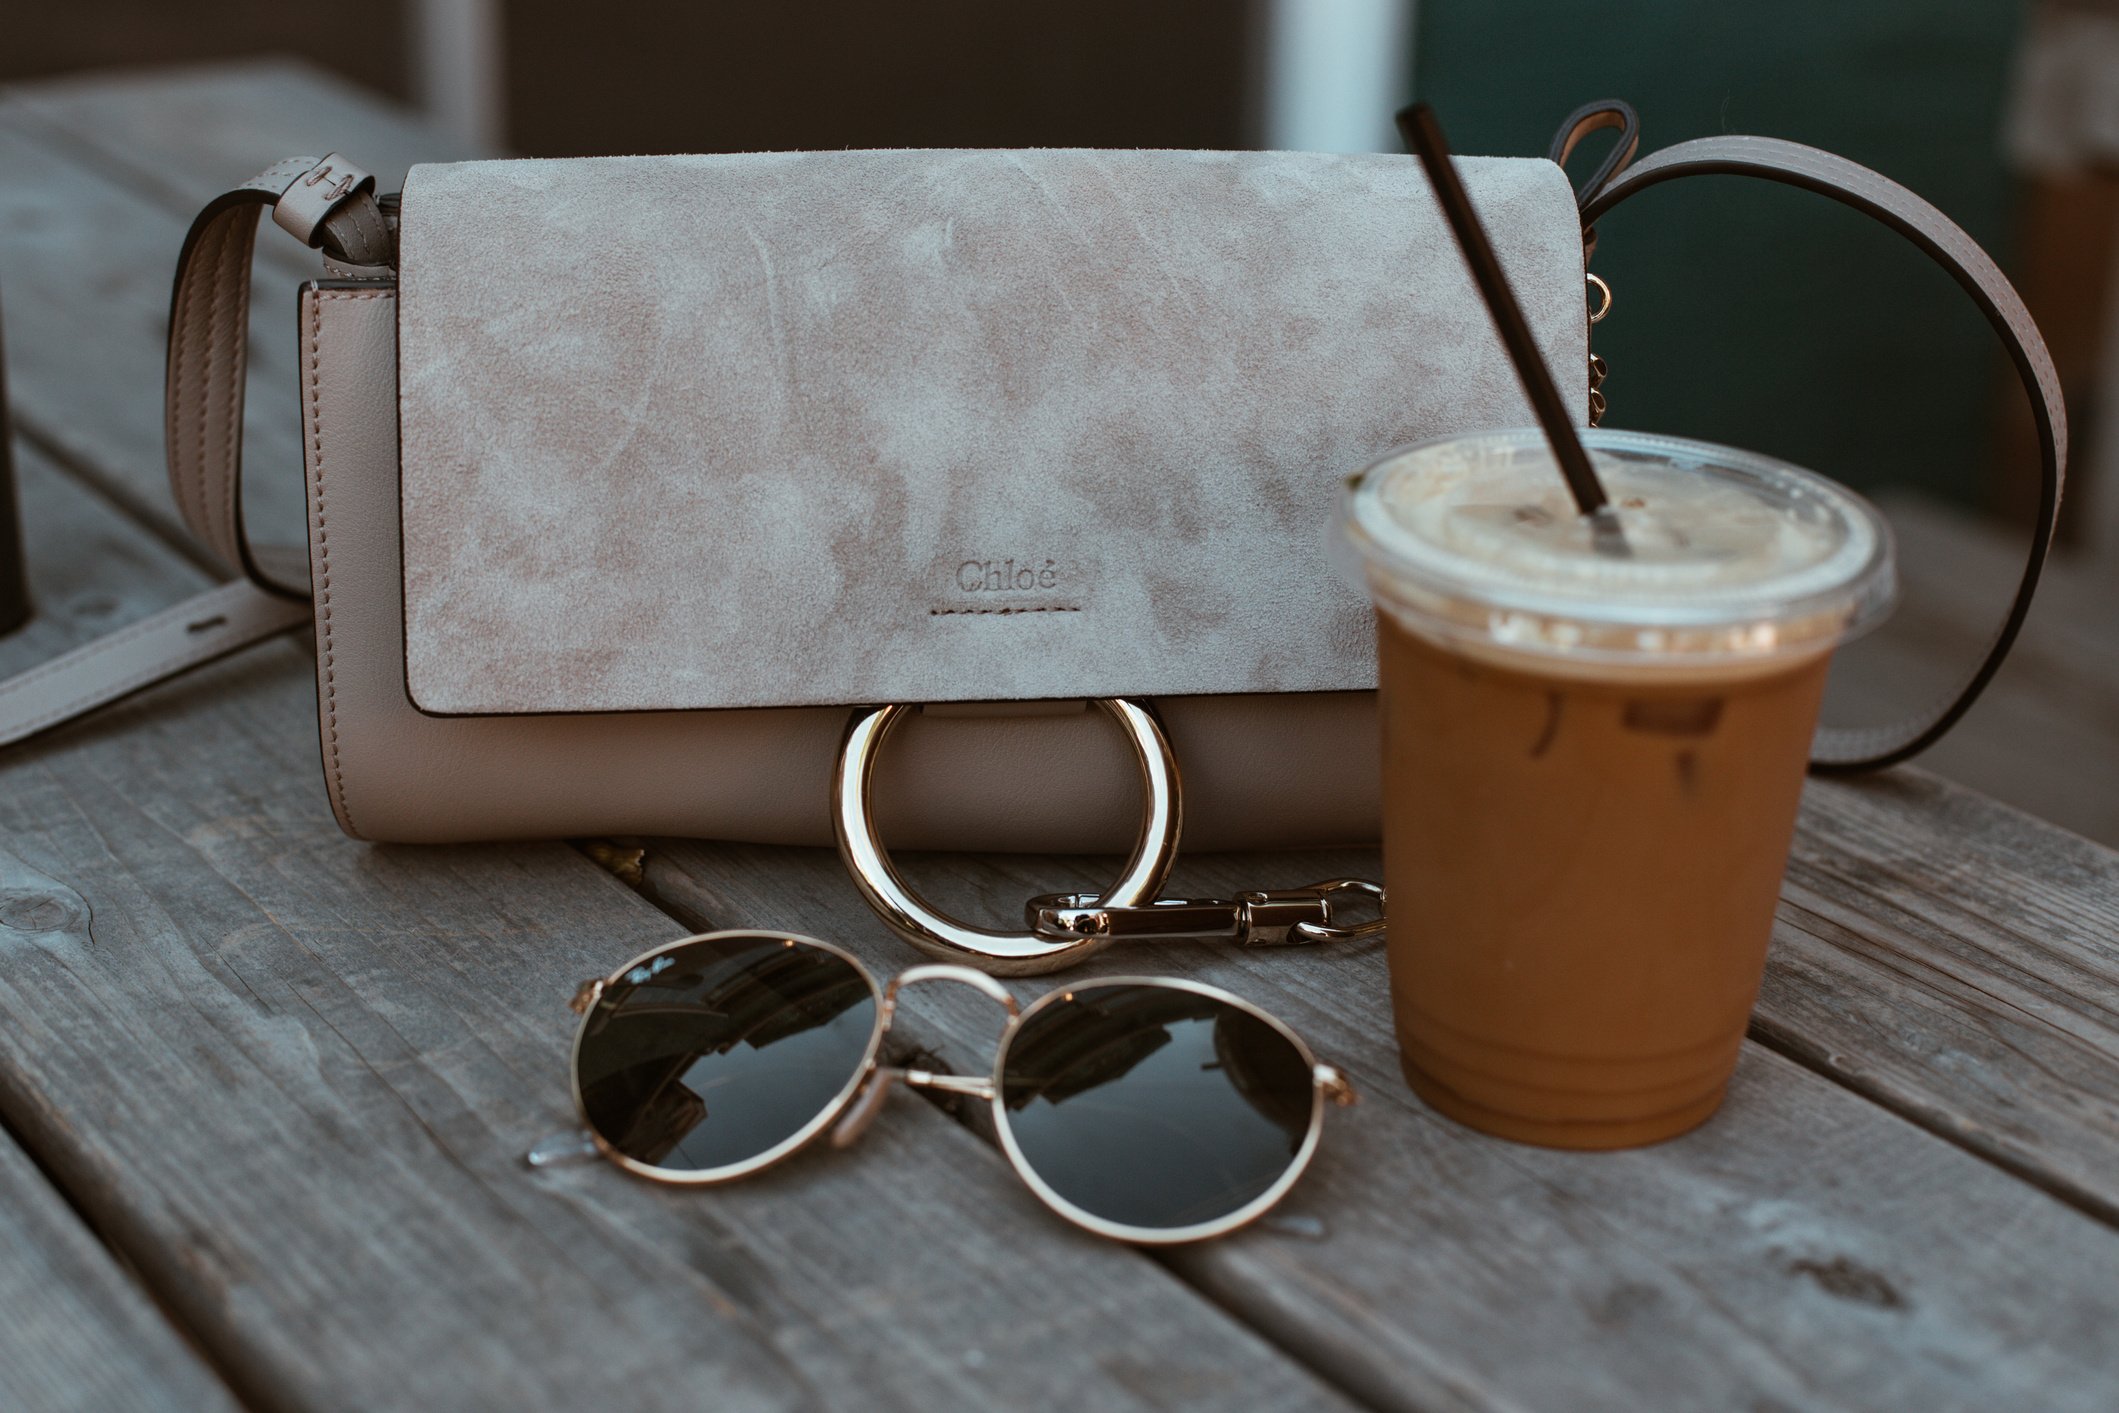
x,y
856,1104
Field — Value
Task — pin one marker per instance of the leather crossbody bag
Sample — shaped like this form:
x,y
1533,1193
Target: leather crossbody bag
x,y
633,481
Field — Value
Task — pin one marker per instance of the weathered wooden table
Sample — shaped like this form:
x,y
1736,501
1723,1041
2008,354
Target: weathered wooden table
x,y
266,1091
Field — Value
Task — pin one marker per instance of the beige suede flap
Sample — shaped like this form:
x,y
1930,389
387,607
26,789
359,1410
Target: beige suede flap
x,y
826,428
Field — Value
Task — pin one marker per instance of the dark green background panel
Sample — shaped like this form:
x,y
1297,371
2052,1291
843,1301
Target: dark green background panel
x,y
1758,315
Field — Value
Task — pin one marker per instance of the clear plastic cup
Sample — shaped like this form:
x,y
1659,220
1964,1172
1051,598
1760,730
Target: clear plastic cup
x,y
1592,762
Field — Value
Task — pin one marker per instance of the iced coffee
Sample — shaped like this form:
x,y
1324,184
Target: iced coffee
x,y
1593,752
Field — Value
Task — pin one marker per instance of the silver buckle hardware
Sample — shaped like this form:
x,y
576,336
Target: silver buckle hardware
x,y
310,198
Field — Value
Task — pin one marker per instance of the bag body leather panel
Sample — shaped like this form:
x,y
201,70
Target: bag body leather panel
x,y
1285,770
829,428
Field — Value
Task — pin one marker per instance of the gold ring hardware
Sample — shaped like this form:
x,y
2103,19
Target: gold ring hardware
x,y
1024,953
1597,281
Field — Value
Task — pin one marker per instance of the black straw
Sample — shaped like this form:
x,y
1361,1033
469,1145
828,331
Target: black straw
x,y
1424,136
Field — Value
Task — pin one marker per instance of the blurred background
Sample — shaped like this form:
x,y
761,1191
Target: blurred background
x,y
1765,318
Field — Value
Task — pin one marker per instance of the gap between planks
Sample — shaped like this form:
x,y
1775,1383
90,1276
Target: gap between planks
x,y
122,500
1798,1049
79,1329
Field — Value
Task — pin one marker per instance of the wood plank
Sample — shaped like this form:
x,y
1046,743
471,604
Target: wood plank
x,y
85,270
1958,961
2045,736
1804,1249
76,1334
291,1077
1847,1281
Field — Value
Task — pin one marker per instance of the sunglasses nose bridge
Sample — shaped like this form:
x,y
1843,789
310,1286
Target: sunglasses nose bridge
x,y
943,971
869,1102
866,1105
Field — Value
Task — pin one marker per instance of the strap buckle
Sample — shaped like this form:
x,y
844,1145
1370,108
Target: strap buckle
x,y
1267,917
311,197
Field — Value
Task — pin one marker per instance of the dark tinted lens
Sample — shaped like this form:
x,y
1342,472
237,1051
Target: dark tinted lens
x,y
1155,1107
718,1051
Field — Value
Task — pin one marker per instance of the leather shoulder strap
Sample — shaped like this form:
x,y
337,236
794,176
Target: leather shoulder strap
x,y
191,634
1846,749
326,202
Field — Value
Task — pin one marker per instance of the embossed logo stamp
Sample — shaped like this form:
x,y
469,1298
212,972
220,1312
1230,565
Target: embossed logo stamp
x,y
1007,584
994,576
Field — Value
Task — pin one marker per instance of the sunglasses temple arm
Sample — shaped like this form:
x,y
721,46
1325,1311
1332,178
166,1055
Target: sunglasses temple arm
x,y
562,1149
866,1105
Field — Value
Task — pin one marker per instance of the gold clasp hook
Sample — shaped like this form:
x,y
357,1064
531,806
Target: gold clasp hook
x,y
1275,917
1598,371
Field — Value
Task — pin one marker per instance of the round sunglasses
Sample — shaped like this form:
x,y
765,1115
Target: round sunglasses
x,y
1141,1108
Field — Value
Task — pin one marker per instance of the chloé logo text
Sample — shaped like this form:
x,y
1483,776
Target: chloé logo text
x,y
993,576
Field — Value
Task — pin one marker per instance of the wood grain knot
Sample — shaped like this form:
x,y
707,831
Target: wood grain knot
x,y
39,912
1850,1280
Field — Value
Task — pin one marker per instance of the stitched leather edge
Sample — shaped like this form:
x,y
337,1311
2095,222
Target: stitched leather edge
x,y
326,658
227,356
125,686
208,353
236,610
